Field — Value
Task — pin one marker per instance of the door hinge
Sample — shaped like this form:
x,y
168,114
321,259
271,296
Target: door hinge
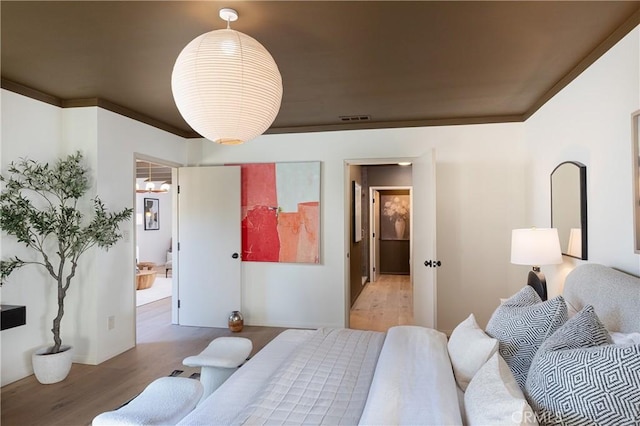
x,y
374,235
178,189
178,245
374,269
178,303
373,201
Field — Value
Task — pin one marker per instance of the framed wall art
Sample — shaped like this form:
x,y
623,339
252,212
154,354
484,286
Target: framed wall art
x,y
151,214
357,211
280,204
395,211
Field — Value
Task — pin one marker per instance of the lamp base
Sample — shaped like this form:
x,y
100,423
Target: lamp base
x,y
537,280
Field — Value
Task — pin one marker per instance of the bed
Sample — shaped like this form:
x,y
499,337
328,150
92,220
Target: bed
x,y
414,375
339,376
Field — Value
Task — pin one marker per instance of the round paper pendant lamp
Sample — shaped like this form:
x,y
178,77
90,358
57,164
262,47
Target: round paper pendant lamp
x,y
227,86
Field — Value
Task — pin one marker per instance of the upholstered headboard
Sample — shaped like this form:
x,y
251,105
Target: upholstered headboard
x,y
615,295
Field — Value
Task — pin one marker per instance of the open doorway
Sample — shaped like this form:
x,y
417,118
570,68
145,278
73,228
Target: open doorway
x,y
154,210
384,296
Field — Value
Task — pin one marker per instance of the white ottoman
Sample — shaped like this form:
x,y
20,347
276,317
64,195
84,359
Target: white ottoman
x,y
164,402
219,360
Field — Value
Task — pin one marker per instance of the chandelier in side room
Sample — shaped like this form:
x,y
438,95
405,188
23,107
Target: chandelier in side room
x,y
226,85
150,185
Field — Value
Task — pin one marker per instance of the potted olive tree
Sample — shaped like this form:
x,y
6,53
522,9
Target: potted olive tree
x,y
40,206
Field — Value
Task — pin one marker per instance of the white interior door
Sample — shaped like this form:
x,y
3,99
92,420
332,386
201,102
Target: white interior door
x,y
424,258
209,237
375,235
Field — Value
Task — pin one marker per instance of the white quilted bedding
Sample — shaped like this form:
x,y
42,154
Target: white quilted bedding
x,y
221,407
413,382
410,381
326,382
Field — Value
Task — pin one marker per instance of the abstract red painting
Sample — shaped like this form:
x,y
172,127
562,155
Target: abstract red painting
x,y
281,212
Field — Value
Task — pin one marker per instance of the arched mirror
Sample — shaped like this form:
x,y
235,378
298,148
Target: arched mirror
x,y
569,207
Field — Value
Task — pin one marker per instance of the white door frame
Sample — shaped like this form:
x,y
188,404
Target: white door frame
x,y
174,226
347,219
372,219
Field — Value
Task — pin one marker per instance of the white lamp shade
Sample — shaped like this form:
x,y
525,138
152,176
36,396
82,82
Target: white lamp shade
x,y
535,247
227,86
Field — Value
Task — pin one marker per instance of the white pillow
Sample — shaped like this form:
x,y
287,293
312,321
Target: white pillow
x,y
625,338
571,310
494,398
469,348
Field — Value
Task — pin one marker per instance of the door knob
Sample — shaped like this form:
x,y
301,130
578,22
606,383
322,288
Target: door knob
x,y
235,255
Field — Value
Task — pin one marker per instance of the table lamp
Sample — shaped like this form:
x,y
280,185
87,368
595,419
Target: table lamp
x,y
536,247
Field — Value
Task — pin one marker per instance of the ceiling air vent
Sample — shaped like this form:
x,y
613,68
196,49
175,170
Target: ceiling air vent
x,y
351,118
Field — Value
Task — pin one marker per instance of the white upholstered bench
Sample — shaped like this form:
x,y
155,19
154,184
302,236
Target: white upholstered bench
x,y
219,360
164,402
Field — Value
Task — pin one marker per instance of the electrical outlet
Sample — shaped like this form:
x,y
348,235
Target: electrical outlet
x,y
126,236
111,322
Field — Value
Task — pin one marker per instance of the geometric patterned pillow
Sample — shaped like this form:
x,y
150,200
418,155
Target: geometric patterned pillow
x,y
579,378
521,324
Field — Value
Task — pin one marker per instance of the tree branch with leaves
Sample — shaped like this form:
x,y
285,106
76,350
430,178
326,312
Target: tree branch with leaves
x,y
39,207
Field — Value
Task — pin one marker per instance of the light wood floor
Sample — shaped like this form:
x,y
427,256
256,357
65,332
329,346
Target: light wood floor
x,y
384,303
90,390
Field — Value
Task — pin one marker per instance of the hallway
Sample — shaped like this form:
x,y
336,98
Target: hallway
x,y
384,303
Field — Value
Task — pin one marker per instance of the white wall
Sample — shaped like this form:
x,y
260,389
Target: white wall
x,y
479,181
154,244
103,286
119,140
480,199
28,286
590,121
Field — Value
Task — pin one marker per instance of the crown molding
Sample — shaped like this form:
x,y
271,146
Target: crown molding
x,y
368,125
29,92
12,86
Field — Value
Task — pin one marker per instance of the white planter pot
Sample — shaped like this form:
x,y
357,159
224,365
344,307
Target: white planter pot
x,y
52,368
